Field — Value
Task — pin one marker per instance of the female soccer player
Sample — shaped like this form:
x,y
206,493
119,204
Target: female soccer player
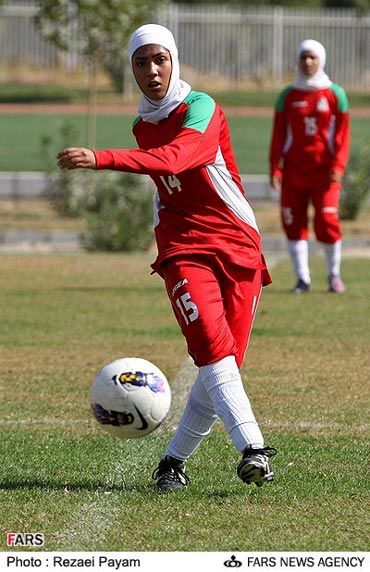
x,y
308,156
209,248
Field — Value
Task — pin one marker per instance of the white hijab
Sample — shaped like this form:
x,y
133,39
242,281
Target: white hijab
x,y
154,110
320,79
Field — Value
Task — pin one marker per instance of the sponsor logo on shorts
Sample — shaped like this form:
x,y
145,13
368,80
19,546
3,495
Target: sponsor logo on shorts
x,y
179,284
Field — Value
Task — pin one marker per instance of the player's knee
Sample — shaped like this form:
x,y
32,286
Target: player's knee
x,y
205,354
327,225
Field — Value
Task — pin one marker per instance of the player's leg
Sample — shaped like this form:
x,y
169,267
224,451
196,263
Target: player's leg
x,y
215,308
294,217
328,231
195,292
182,279
194,425
241,289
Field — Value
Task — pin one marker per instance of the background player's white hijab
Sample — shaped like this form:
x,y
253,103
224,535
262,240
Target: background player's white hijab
x,y
150,109
320,79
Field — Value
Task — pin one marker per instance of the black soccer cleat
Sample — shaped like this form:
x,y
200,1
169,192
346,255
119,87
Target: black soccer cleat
x,y
170,474
255,466
301,287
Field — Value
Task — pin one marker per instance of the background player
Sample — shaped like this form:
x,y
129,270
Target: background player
x,y
209,248
308,156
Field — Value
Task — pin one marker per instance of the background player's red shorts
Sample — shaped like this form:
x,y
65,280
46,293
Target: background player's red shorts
x,y
297,193
214,303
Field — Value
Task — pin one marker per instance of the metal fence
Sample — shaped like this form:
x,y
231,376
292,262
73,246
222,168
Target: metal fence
x,y
21,42
259,44
235,44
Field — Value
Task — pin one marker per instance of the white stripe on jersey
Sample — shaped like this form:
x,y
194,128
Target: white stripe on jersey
x,y
156,208
288,141
229,191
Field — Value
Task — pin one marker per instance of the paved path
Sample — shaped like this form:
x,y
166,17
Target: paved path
x,y
58,241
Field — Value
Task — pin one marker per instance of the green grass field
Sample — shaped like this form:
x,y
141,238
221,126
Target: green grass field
x,y
64,316
72,93
20,144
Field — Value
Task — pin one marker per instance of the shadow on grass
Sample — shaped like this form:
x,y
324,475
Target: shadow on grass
x,y
211,494
96,486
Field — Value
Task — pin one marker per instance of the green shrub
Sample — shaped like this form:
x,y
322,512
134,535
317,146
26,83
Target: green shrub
x,y
66,190
356,184
119,213
118,207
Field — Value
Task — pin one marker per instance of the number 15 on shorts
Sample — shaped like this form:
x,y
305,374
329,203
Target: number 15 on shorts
x,y
188,309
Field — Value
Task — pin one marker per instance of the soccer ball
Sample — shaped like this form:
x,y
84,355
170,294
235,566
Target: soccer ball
x,y
130,397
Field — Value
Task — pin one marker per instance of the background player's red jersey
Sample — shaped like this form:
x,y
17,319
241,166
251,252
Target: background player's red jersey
x,y
310,132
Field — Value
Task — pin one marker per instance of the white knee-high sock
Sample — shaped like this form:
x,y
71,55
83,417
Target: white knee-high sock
x,y
195,424
333,257
223,382
298,250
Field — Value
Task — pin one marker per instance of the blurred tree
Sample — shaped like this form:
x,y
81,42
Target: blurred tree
x,y
254,3
98,30
361,5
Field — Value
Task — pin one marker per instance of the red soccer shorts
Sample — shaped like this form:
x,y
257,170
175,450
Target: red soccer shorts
x,y
215,305
295,199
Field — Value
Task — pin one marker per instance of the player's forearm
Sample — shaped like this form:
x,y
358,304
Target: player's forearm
x,y
166,160
341,144
138,161
277,144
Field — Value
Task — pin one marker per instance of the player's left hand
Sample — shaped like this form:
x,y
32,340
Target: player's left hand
x,y
76,158
335,177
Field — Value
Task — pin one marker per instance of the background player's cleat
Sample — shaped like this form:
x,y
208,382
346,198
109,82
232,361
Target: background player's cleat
x,y
170,474
336,284
301,287
255,466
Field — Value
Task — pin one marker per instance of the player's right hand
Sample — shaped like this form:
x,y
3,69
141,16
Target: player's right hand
x,y
275,183
76,158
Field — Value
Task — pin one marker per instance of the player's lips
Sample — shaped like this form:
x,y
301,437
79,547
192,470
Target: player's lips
x,y
154,85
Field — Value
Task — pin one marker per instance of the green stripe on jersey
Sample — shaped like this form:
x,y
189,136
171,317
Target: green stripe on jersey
x,y
200,110
343,104
280,102
136,120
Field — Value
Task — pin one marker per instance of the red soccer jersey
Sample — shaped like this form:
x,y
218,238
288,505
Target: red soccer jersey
x,y
311,131
200,205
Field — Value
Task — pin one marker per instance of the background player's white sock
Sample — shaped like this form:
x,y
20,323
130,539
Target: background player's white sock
x,y
298,250
333,257
195,424
223,382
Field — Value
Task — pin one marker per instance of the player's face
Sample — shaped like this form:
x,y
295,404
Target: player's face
x,y
309,63
152,67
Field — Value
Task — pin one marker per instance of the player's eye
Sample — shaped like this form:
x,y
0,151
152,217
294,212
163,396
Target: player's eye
x,y
161,59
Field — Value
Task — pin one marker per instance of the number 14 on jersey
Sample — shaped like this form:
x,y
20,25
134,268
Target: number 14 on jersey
x,y
171,182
